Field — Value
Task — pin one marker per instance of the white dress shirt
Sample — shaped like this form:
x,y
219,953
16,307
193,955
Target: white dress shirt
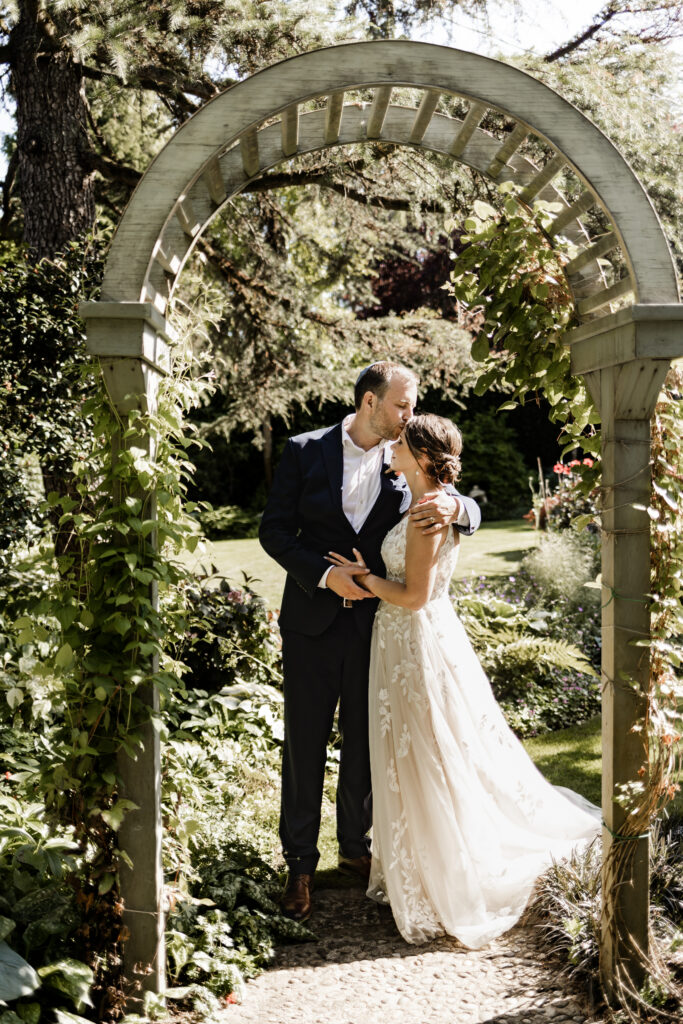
x,y
361,481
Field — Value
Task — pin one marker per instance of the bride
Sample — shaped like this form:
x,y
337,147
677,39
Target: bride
x,y
463,821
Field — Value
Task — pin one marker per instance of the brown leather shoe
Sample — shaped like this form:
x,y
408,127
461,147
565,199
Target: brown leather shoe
x,y
296,899
356,865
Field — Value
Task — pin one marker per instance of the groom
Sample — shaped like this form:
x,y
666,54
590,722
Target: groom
x,y
331,492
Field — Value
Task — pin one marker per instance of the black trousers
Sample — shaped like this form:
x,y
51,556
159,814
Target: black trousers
x,y
319,673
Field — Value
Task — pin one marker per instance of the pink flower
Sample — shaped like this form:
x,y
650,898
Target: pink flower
x,y
588,462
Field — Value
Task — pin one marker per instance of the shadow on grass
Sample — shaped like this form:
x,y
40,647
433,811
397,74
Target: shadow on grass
x,y
511,556
571,758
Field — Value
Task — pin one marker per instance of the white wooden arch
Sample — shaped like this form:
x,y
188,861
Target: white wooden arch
x,y
631,330
234,139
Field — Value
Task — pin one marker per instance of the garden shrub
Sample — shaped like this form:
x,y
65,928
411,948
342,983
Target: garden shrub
x,y
220,789
562,564
540,653
230,635
41,922
223,931
492,461
566,907
575,496
228,521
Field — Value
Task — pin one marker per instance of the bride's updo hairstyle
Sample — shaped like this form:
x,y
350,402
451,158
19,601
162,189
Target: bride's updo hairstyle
x,y
438,443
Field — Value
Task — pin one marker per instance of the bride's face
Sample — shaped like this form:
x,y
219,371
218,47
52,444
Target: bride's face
x,y
402,459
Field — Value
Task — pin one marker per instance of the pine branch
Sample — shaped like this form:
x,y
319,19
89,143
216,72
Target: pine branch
x,y
294,178
112,169
245,285
601,19
173,94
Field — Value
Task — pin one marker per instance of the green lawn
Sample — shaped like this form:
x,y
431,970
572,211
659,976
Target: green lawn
x,y
495,549
571,758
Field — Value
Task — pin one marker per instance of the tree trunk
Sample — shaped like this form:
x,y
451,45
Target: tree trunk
x,y
55,183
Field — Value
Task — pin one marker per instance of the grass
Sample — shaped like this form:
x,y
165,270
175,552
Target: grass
x,y
495,549
571,757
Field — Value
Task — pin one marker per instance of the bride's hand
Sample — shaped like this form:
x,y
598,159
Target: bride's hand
x,y
359,565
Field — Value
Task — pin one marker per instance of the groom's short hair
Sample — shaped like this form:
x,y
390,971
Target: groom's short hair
x,y
377,377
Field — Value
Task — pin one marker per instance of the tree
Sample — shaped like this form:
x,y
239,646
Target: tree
x,y
179,52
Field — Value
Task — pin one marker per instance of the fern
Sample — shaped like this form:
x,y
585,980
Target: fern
x,y
513,649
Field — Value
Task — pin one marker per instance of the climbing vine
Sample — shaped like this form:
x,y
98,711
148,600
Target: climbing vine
x,y
512,270
102,636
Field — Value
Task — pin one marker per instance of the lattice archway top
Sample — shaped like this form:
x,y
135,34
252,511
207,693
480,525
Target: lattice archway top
x,y
234,138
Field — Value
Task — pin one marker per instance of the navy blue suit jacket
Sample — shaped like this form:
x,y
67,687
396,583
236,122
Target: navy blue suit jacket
x,y
304,519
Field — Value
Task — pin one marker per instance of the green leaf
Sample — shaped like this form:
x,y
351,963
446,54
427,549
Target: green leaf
x,y
480,348
106,882
66,615
64,1017
665,495
64,656
14,697
17,977
115,815
71,977
10,1017
29,1012
121,623
6,926
483,210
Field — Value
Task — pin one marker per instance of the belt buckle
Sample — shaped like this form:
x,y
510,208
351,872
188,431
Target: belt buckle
x,y
346,602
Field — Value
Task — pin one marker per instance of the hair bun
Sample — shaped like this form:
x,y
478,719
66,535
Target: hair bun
x,y
447,468
437,440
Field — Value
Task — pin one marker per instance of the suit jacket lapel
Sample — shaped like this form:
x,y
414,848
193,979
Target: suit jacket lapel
x,y
334,462
391,487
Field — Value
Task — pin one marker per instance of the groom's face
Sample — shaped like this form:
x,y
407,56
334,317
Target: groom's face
x,y
391,412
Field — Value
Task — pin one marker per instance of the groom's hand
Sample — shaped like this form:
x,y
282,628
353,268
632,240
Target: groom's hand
x,y
341,577
341,581
435,511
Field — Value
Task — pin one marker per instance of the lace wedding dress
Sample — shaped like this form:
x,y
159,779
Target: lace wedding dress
x,y
463,821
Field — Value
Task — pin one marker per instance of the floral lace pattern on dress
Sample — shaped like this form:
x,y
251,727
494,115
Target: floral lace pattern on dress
x,y
463,822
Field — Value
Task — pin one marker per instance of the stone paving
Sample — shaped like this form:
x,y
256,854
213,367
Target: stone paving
x,y
360,971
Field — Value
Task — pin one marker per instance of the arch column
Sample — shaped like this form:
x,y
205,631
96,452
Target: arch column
x,y
131,341
624,358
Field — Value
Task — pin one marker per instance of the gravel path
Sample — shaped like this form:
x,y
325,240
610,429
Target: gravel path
x,y
360,971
